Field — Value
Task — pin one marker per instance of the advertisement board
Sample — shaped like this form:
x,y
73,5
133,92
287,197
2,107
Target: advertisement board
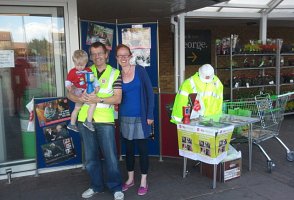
x,y
55,144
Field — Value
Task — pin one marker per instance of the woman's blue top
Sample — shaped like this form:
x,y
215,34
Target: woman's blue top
x,y
130,105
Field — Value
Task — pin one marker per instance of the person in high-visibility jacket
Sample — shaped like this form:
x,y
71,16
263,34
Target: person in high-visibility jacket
x,y
101,141
209,90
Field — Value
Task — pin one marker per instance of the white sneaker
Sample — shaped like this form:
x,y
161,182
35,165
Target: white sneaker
x,y
88,193
118,195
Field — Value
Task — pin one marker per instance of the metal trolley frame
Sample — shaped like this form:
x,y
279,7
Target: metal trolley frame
x,y
270,110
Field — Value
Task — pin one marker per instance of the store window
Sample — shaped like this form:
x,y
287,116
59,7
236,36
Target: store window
x,y
33,61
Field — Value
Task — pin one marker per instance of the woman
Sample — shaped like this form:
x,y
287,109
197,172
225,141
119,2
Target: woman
x,y
135,114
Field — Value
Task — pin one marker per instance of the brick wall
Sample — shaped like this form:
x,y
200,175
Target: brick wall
x,y
166,58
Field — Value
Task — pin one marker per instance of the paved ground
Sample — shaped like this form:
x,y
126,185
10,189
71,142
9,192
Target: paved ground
x,y
166,182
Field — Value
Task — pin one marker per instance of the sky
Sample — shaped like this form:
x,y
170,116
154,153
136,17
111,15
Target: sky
x,y
26,28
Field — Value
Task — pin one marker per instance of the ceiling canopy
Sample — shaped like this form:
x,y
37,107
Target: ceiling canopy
x,y
272,9
137,10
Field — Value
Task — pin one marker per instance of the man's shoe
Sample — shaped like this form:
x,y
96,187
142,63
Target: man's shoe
x,y
72,127
89,125
143,190
125,186
88,193
118,195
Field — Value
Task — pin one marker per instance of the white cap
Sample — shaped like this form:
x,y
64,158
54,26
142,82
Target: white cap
x,y
206,73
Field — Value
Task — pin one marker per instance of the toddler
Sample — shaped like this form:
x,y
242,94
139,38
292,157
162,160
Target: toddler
x,y
76,84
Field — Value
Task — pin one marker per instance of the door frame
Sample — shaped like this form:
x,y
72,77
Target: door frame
x,y
28,166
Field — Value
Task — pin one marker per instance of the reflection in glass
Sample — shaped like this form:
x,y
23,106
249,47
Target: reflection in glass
x,y
39,52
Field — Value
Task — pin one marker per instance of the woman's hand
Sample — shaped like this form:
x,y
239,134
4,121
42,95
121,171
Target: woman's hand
x,y
150,121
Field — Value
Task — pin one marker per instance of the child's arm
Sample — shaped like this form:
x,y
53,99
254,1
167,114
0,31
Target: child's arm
x,y
96,85
68,85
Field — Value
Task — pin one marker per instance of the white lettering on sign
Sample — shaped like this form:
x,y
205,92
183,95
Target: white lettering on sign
x,y
232,173
196,45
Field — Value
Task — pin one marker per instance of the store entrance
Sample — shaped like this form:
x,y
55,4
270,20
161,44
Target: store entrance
x,y
32,60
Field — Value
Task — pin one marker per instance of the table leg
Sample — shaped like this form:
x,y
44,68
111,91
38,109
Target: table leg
x,y
250,145
185,168
214,176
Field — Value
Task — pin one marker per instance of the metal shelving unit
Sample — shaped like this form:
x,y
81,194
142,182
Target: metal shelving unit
x,y
277,68
289,67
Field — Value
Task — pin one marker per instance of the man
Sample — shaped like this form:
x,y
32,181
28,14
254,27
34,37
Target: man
x,y
209,90
61,132
50,135
103,138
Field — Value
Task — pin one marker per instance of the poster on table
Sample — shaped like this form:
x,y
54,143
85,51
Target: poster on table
x,y
56,145
201,142
139,40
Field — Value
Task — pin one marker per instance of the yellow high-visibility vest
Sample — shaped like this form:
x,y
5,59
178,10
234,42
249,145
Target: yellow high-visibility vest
x,y
210,96
104,112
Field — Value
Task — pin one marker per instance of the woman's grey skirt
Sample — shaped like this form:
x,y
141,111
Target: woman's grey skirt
x,y
131,128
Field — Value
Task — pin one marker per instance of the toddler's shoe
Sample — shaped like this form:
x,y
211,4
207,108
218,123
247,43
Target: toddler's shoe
x,y
118,195
88,193
72,127
125,186
89,125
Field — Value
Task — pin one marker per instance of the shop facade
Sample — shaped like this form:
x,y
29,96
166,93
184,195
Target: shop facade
x,y
41,59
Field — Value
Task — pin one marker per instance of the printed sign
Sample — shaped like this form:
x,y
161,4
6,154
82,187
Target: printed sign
x,y
208,144
6,58
197,47
139,41
53,111
58,151
97,33
55,144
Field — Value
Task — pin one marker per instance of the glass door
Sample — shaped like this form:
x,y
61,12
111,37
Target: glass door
x,y
32,64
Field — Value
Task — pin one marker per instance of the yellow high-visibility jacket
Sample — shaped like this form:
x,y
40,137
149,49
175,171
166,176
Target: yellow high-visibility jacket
x,y
104,113
210,96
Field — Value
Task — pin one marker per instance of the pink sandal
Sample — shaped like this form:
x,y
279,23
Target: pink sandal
x,y
125,186
143,190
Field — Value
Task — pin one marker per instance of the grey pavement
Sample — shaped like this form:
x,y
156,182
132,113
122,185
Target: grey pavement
x,y
166,182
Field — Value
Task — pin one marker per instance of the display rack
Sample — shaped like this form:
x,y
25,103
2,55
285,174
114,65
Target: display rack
x,y
273,63
271,72
286,70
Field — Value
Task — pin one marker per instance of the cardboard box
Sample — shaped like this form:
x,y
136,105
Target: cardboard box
x,y
230,168
225,170
207,170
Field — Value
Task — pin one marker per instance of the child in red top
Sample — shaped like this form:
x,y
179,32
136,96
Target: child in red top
x,y
76,84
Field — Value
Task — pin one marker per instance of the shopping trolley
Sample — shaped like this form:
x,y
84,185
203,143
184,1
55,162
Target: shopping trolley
x,y
270,110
